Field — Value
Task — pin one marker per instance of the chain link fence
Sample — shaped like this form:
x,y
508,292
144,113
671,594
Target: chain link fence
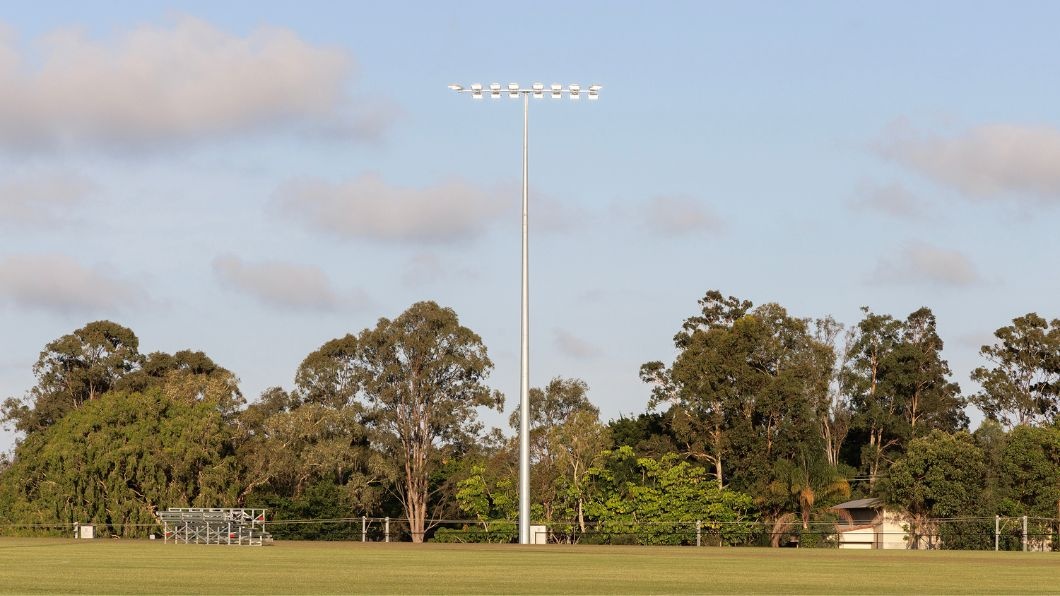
x,y
966,533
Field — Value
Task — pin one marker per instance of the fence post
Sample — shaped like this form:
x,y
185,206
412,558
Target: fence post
x,y
386,530
1024,533
699,532
364,528
997,531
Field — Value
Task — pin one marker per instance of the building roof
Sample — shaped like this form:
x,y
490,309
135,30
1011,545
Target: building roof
x,y
870,503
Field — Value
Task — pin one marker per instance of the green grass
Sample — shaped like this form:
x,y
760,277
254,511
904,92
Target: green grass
x,y
124,566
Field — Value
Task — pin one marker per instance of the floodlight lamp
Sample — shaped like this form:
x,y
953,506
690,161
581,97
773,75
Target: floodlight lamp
x,y
538,86
476,86
476,94
495,86
575,90
595,87
513,90
557,91
457,88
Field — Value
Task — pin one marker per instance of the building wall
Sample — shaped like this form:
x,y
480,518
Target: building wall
x,y
891,533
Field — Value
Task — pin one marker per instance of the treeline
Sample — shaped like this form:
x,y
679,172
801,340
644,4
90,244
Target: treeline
x,y
759,425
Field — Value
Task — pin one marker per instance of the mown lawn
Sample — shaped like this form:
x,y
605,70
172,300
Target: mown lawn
x,y
43,565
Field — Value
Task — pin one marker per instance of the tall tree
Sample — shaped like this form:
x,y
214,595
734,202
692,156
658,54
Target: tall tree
x,y
72,370
552,409
899,384
832,404
930,399
745,387
328,376
307,459
421,377
1023,384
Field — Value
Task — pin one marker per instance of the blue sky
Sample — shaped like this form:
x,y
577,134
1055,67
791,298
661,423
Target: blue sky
x,y
254,178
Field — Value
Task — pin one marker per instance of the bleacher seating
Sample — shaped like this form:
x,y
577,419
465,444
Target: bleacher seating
x,y
199,525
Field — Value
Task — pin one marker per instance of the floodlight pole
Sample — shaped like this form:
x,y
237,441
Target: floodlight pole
x,y
524,360
514,91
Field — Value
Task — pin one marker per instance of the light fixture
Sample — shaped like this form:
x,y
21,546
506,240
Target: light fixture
x,y
495,90
557,90
476,90
457,88
513,90
539,90
575,90
594,91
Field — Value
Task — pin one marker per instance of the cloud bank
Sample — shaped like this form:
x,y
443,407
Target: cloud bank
x,y
573,346
987,162
369,208
41,198
154,85
284,285
59,284
679,216
923,263
892,199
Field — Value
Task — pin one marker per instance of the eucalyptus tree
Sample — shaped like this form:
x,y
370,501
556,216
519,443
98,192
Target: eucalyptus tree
x,y
565,436
72,370
307,459
744,389
1022,385
899,385
421,379
832,403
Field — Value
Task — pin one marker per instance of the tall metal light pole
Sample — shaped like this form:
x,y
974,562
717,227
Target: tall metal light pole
x,y
514,91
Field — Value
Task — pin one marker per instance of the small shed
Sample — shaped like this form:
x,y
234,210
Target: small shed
x,y
867,524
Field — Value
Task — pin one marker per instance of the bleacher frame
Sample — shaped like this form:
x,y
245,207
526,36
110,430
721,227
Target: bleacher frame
x,y
217,525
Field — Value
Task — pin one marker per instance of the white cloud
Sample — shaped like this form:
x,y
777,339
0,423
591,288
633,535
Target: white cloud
x,y
891,199
427,268
42,197
548,214
367,207
573,346
57,283
677,216
922,263
284,285
164,84
994,161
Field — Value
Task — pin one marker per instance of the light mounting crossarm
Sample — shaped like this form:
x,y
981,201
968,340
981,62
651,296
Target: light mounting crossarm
x,y
537,90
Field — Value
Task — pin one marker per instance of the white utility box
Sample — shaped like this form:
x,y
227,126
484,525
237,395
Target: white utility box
x,y
538,534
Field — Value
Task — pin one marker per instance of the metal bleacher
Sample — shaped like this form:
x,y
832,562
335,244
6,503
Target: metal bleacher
x,y
199,525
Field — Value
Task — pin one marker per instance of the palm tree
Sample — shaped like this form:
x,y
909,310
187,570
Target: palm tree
x,y
802,490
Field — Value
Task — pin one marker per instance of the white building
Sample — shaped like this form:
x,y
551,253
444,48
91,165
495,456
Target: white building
x,y
865,523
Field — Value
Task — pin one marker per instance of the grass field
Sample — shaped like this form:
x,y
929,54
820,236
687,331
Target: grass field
x,y
110,566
